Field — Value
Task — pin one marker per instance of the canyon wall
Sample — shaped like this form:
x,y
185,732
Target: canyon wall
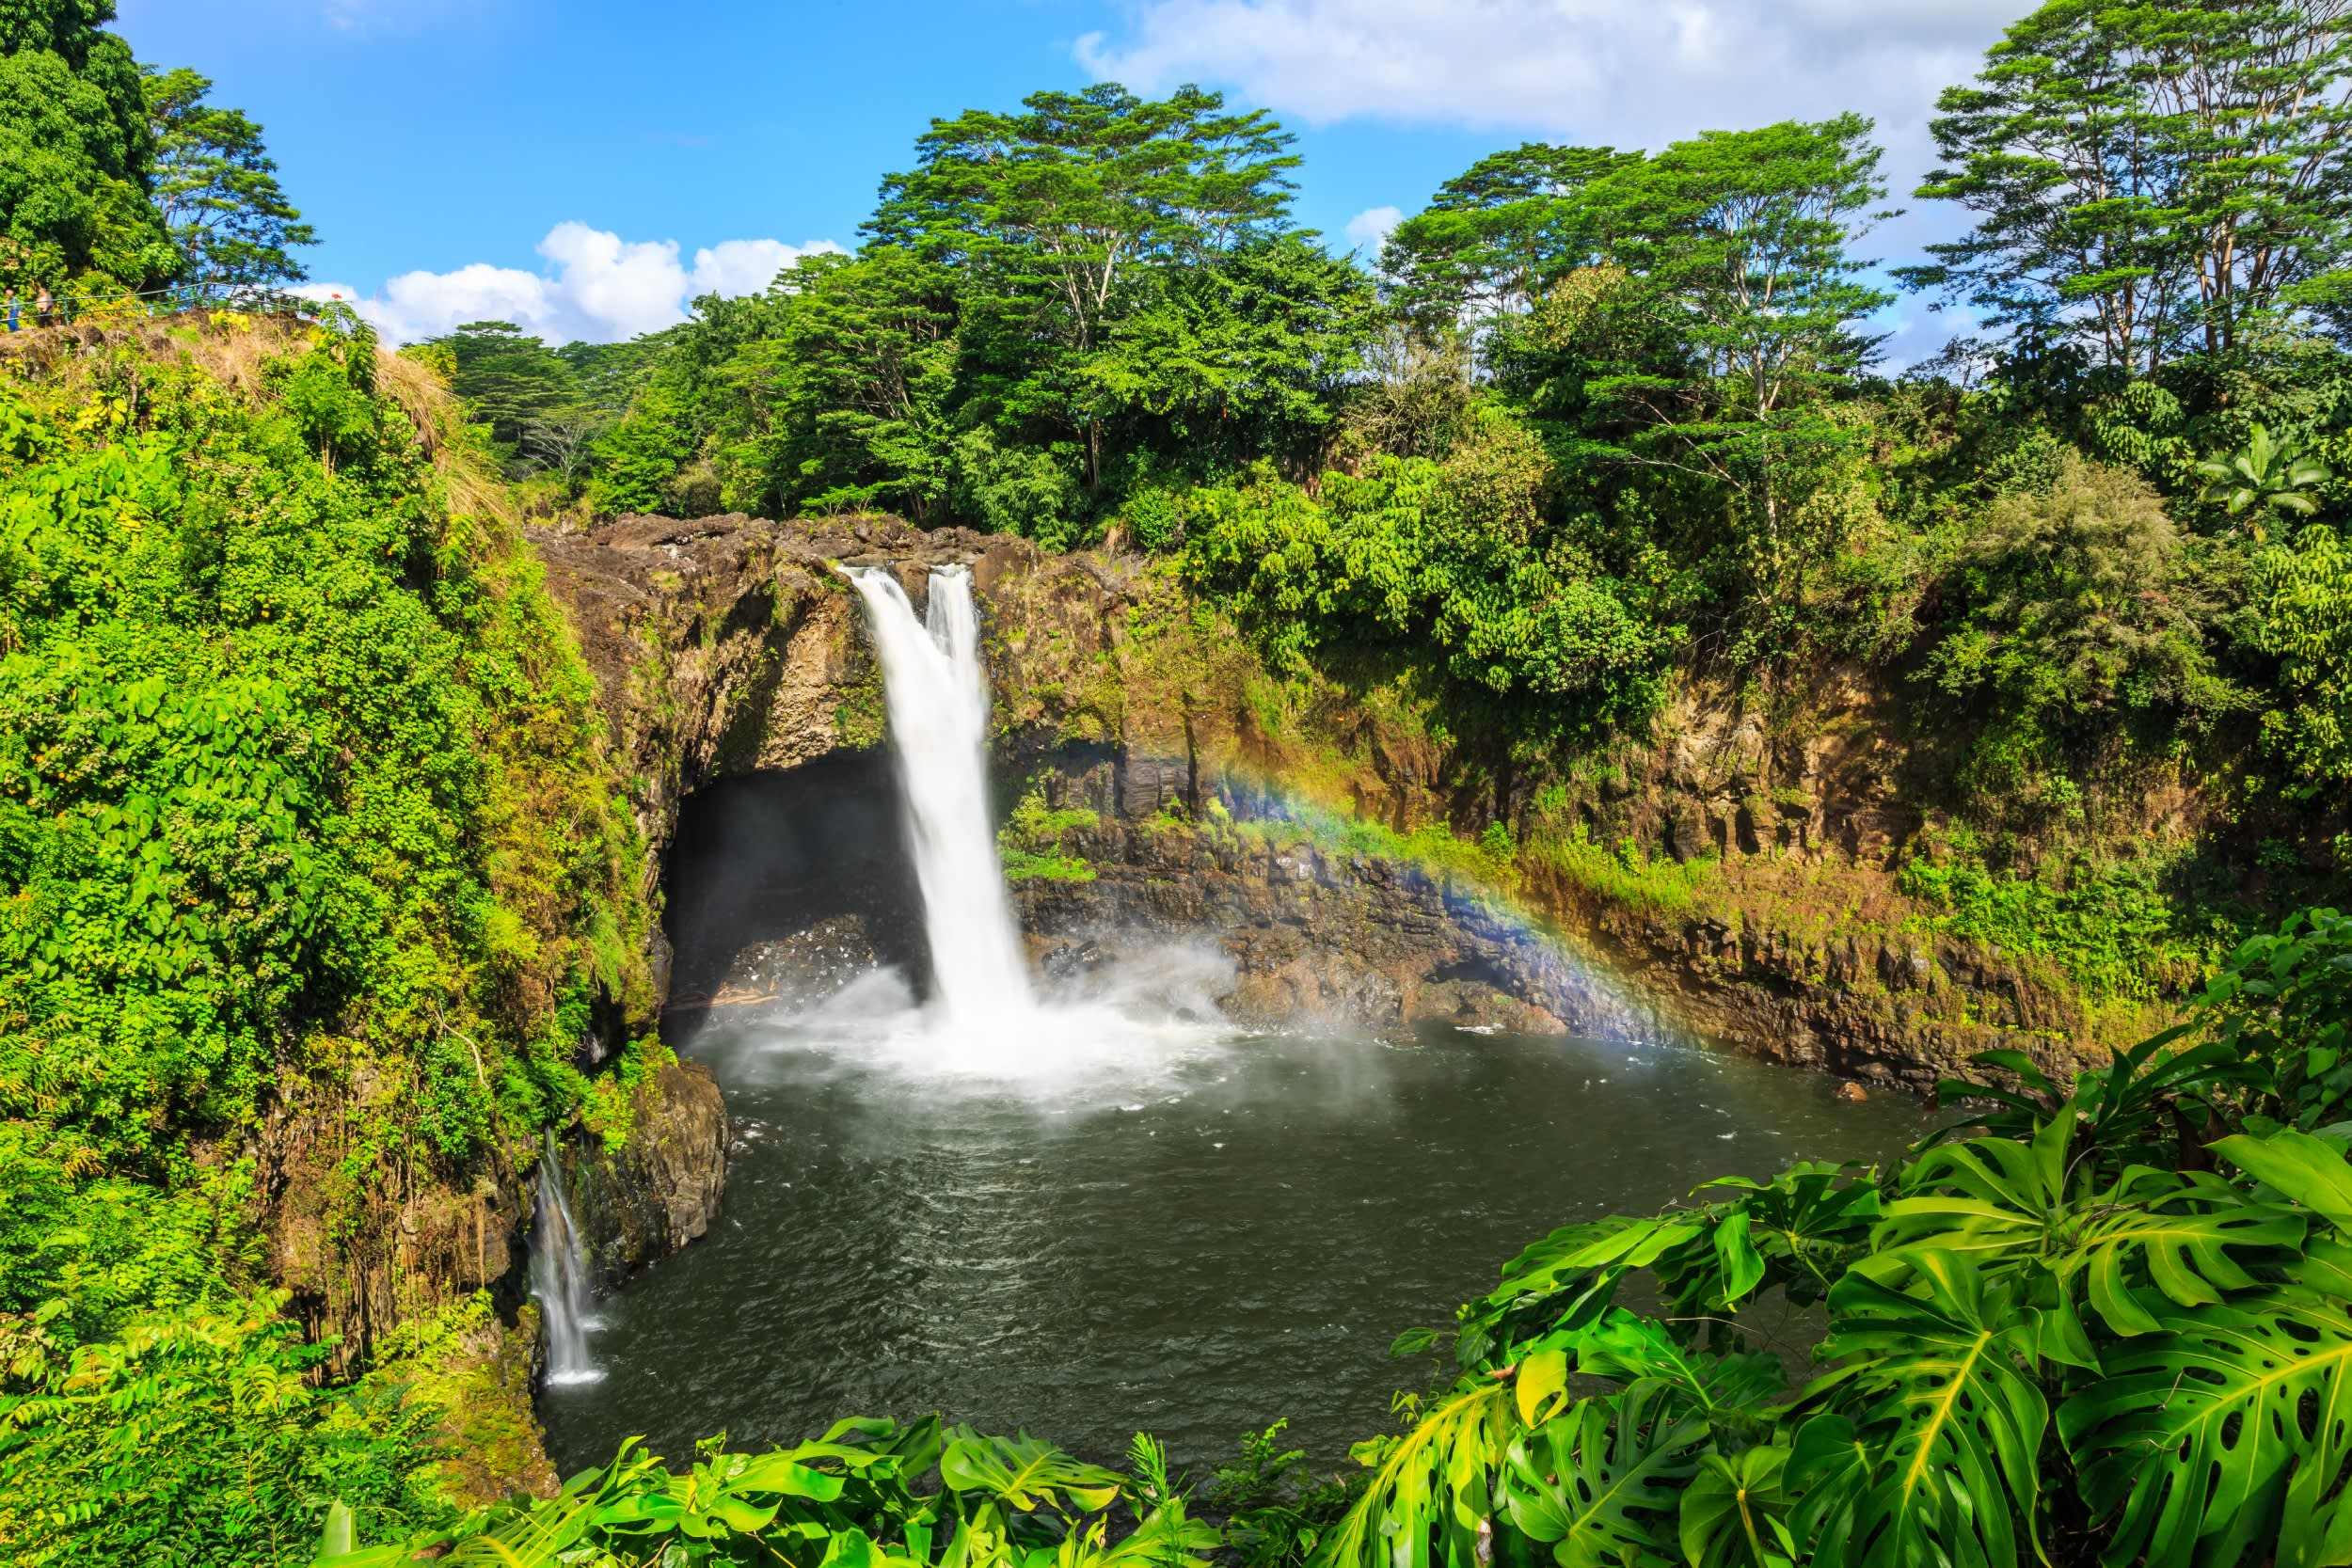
x,y
730,646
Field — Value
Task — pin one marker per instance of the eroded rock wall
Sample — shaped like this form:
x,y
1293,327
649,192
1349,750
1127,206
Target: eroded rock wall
x,y
730,645
638,1203
1315,935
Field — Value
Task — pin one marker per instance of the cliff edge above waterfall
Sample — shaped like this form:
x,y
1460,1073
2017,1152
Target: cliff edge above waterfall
x,y
1742,869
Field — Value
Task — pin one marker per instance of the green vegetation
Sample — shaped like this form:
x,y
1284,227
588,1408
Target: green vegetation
x,y
302,812
2112,932
1624,875
1029,844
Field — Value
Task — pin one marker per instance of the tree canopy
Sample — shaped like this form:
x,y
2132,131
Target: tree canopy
x,y
2149,178
115,176
216,188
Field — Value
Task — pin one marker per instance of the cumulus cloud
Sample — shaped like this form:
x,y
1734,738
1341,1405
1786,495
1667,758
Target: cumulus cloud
x,y
596,286
1368,229
1629,72
1624,72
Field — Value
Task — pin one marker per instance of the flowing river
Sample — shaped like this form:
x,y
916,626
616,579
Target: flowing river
x,y
1088,1218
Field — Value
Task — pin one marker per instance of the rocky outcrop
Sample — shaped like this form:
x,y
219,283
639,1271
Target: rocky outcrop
x,y
1315,935
361,1256
659,1189
729,647
1856,997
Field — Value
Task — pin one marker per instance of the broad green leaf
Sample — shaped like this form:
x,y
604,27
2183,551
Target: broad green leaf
x,y
1598,1484
1543,1376
1933,1386
1633,1349
2310,1171
1743,1266
1024,1473
2225,1428
1831,1468
2184,1255
1733,1510
1429,1489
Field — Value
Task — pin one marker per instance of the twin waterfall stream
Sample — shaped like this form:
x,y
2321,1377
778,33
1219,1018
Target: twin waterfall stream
x,y
982,1007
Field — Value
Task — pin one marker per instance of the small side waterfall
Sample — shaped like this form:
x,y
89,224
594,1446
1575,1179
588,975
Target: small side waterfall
x,y
937,698
559,1276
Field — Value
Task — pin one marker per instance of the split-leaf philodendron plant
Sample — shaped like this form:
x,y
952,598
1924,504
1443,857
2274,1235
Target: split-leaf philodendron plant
x,y
2100,1322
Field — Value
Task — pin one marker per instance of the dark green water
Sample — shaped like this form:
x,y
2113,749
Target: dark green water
x,y
1193,1236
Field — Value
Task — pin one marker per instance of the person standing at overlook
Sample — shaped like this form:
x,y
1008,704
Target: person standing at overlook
x,y
44,307
12,310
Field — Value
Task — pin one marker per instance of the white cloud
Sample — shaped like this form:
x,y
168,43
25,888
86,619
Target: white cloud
x,y
747,266
596,286
1368,229
1627,73
1632,71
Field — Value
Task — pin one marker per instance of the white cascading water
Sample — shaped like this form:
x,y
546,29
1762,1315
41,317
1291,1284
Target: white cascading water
x,y
936,695
559,1277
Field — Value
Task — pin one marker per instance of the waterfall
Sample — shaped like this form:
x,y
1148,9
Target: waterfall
x,y
936,695
559,1276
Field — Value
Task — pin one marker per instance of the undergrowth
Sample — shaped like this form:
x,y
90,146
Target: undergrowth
x,y
303,809
2112,930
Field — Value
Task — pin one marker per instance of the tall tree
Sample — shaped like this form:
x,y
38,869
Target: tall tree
x,y
1241,355
2149,178
1497,235
215,187
1749,233
510,381
849,405
1060,216
1744,240
74,150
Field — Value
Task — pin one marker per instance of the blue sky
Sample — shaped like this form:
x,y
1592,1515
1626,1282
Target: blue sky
x,y
586,166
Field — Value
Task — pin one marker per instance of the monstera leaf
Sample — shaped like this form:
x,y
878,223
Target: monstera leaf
x,y
2177,1231
1948,1422
2006,1207
1634,1348
1599,1485
1024,1474
1734,1511
2307,1170
1562,1280
2231,1427
1808,1222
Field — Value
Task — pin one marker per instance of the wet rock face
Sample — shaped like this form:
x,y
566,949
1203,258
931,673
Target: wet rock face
x,y
360,1257
1314,938
637,1204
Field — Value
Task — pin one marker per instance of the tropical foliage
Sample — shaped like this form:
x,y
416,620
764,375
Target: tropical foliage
x,y
299,786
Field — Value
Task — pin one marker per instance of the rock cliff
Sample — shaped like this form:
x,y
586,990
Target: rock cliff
x,y
638,1202
727,647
